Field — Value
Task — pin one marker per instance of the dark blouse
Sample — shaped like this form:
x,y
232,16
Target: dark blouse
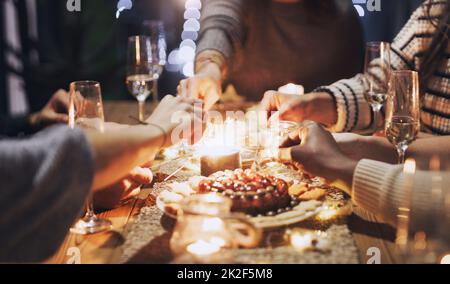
x,y
269,44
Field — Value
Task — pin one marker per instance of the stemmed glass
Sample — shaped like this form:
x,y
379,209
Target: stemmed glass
x,y
403,111
257,143
140,73
377,71
86,111
155,30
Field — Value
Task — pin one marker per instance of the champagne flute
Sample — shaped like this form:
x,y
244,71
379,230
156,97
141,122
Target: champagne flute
x,y
86,111
377,71
140,74
156,31
403,111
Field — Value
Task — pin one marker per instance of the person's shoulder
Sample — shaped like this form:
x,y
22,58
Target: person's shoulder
x,y
430,9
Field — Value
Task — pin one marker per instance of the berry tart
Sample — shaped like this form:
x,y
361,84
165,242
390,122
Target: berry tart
x,y
251,193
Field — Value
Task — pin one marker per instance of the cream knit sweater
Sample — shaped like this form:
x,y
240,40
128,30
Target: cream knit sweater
x,y
382,189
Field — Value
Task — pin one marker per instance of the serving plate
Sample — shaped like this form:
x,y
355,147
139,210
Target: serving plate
x,y
301,212
306,209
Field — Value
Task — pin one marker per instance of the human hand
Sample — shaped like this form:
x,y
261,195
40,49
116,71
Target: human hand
x,y
206,85
274,101
320,155
55,111
318,107
179,118
127,188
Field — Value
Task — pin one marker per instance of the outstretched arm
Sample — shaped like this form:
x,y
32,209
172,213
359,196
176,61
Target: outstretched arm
x,y
221,35
341,106
424,150
118,152
47,177
377,187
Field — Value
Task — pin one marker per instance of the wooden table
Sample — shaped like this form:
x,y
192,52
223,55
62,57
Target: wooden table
x,y
368,233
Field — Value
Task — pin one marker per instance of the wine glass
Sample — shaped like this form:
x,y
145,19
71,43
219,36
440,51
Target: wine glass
x,y
140,74
86,111
377,71
156,31
403,111
259,142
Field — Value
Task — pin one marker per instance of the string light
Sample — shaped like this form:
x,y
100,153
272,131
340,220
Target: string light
x,y
123,5
182,58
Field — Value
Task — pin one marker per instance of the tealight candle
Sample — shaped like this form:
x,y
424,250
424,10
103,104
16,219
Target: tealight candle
x,y
301,242
305,240
327,214
292,89
218,159
203,248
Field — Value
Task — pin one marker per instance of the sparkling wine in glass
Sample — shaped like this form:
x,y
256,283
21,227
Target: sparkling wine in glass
x,y
156,31
86,111
140,74
403,111
377,72
140,85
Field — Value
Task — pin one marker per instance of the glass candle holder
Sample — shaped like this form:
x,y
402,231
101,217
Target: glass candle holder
x,y
206,231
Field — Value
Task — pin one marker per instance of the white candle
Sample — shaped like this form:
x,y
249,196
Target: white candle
x,y
213,160
292,89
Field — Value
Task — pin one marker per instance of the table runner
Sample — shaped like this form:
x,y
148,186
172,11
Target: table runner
x,y
148,235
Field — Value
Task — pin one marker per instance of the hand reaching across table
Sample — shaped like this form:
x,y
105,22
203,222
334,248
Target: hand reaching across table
x,y
48,176
178,116
118,152
320,155
206,85
163,122
374,186
318,107
129,187
55,111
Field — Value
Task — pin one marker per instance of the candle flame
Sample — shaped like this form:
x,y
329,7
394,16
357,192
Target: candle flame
x,y
212,224
410,166
72,114
327,214
204,248
292,89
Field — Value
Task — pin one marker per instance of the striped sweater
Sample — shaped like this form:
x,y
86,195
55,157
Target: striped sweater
x,y
407,51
